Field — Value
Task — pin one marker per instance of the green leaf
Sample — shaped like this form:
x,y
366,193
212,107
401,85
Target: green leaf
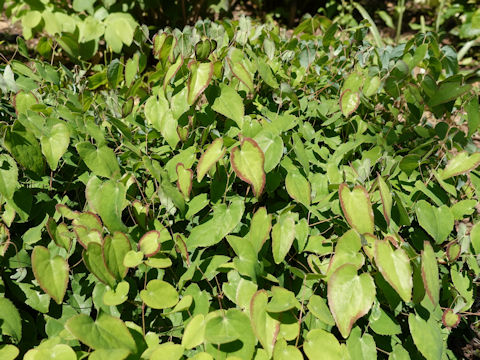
x,y
10,320
320,344
133,258
448,91
461,163
318,307
114,249
272,146
399,353
241,73
475,238
8,176
283,351
184,181
158,114
172,70
230,104
93,259
159,294
118,296
282,300
55,142
430,273
194,333
349,101
114,73
437,222
107,332
212,154
107,199
283,234
427,336
357,208
266,74
473,115
101,161
248,163
200,77
23,101
298,188
361,346
9,352
450,319
51,272
395,267
224,220
386,196
265,327
260,226
131,69
167,351
119,30
350,296
24,148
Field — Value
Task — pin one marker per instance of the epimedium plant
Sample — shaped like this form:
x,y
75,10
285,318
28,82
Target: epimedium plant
x,y
256,194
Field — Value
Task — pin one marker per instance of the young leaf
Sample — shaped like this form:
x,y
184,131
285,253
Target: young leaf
x,y
51,272
194,333
265,327
158,114
350,296
357,208
200,77
349,101
55,142
101,161
247,162
150,243
117,296
259,228
93,259
395,268
320,344
214,152
242,74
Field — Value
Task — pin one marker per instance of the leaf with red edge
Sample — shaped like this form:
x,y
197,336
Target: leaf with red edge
x,y
430,277
453,251
350,296
200,77
114,249
247,162
214,152
357,208
349,101
450,319
150,243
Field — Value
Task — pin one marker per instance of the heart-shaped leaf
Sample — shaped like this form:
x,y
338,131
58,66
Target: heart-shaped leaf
x,y
10,352
298,187
437,222
350,296
200,77
107,332
241,73
158,114
23,100
132,259
430,273
184,181
150,243
24,148
357,208
100,160
320,344
349,101
247,162
118,296
159,294
361,347
93,259
272,146
8,176
55,142
51,272
114,249
172,71
230,104
214,152
427,336
107,199
282,300
395,268
283,234
86,236
60,234
460,164
318,307
454,250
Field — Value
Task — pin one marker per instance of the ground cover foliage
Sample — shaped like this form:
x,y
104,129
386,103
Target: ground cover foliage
x,y
253,194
